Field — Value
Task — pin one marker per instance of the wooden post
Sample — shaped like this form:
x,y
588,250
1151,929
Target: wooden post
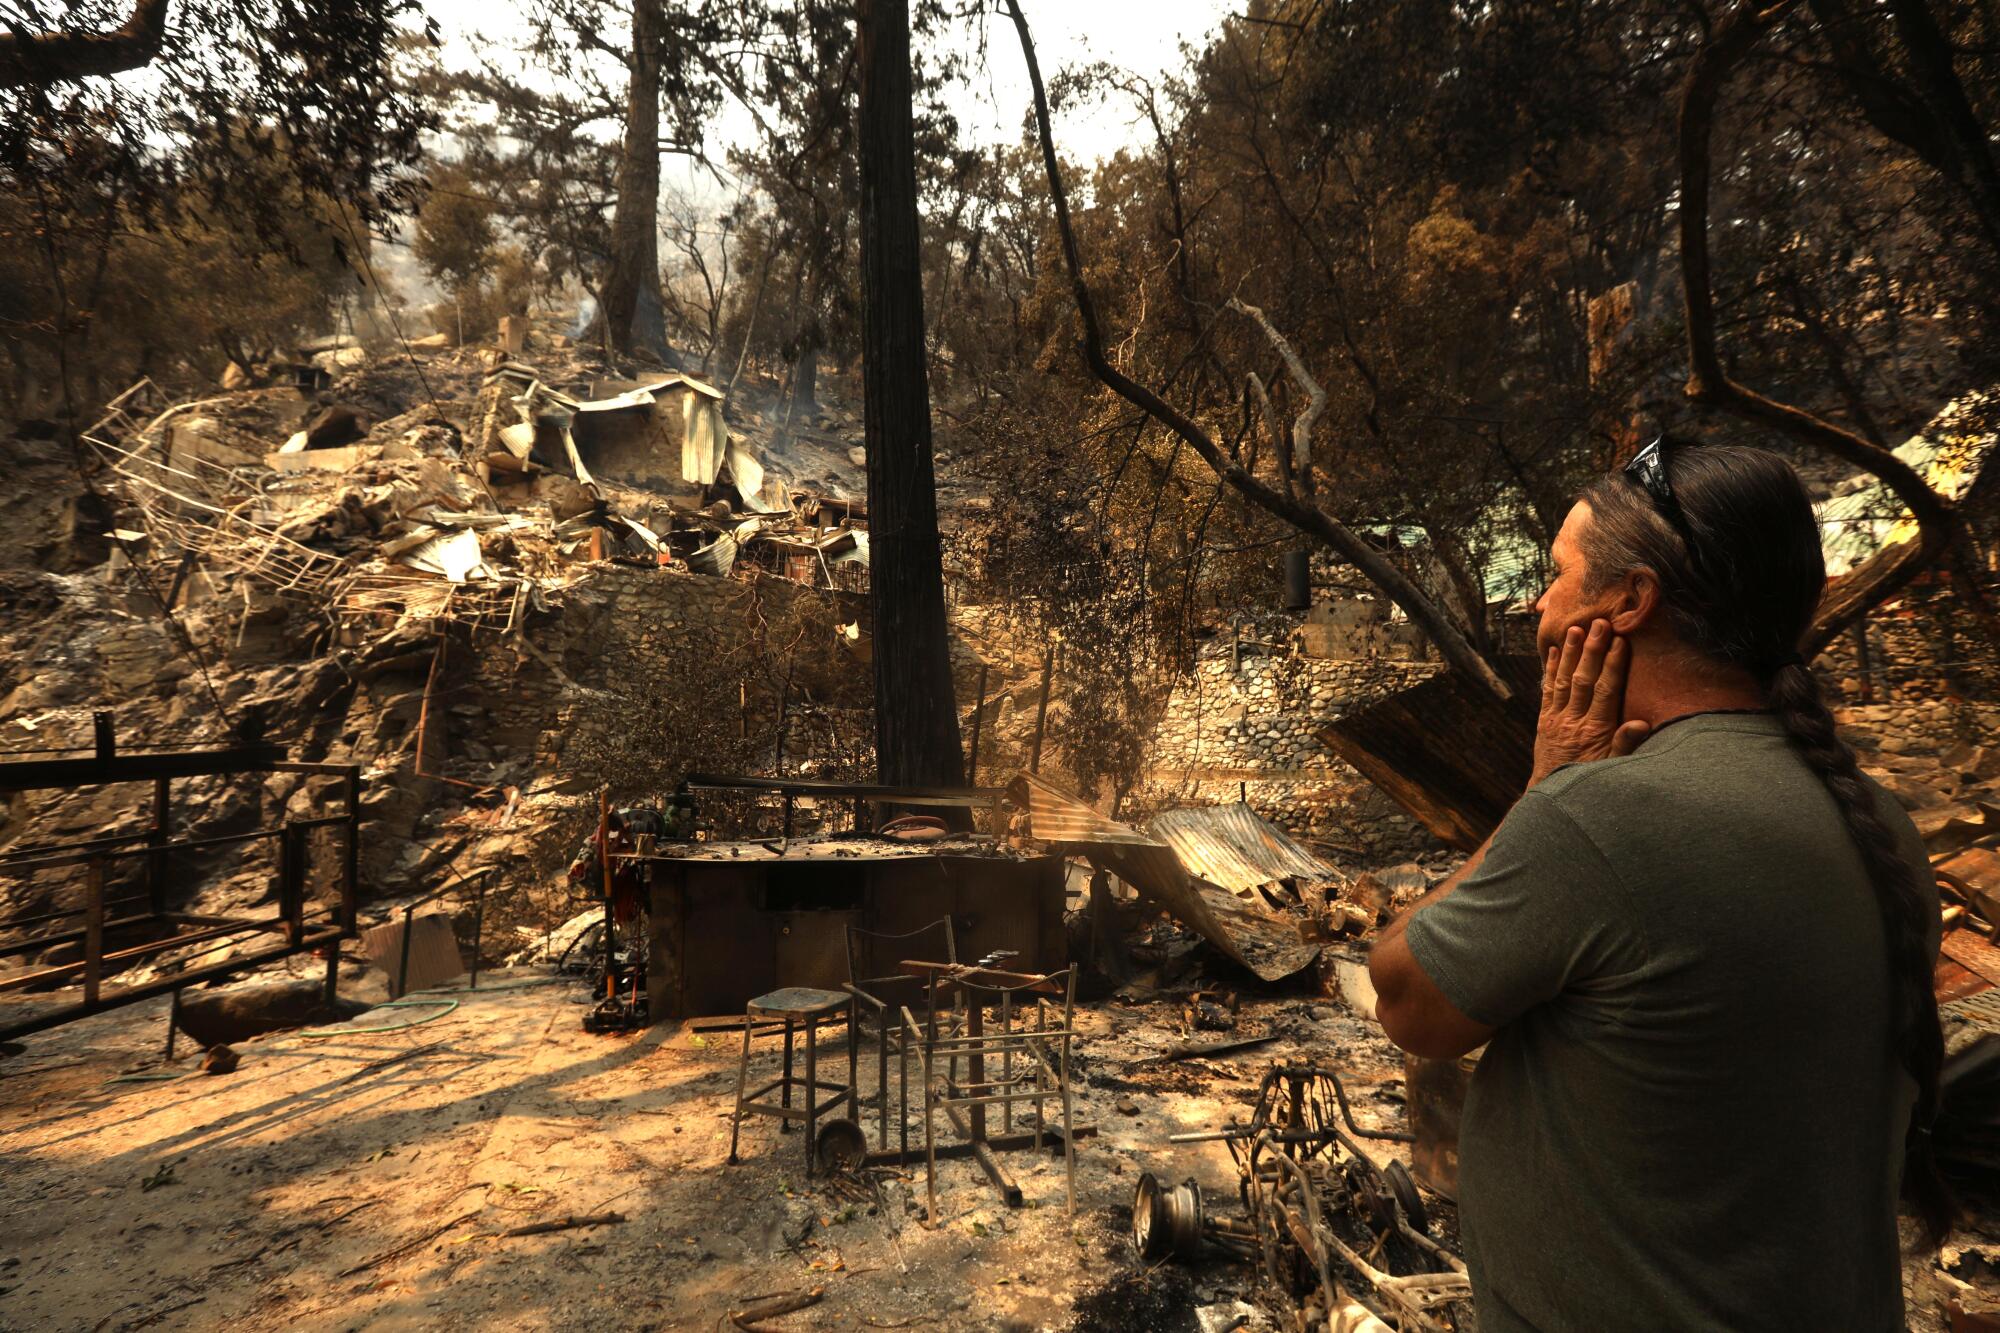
x,y
604,860
1042,708
479,929
156,860
93,929
1861,654
350,871
784,708
978,716
291,880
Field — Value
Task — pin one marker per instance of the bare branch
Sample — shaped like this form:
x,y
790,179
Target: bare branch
x,y
60,57
1940,529
1308,518
1300,463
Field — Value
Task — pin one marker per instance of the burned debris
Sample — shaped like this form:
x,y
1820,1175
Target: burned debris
x,y
829,740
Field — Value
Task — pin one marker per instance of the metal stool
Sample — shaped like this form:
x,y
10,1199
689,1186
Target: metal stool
x,y
884,998
807,1008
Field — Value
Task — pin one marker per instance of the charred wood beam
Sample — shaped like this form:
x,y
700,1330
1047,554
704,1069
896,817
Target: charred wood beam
x,y
160,986
40,774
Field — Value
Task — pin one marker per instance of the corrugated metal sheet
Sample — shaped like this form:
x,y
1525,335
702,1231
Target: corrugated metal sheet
x,y
1268,945
433,953
1056,816
1231,845
1864,515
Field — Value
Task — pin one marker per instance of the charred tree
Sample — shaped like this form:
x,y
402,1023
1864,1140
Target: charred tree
x,y
64,55
1941,531
631,316
916,715
1294,504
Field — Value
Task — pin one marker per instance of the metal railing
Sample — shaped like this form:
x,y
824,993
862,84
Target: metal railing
x,y
298,926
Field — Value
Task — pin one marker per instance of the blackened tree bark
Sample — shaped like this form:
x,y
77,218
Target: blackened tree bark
x,y
916,715
632,315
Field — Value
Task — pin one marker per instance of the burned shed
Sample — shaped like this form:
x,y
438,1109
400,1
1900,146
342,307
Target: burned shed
x,y
734,920
664,434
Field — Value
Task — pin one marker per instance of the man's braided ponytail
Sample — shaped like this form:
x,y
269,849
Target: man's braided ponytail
x,y
1745,597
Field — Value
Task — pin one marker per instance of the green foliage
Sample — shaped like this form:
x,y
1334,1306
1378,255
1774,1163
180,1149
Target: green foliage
x,y
455,237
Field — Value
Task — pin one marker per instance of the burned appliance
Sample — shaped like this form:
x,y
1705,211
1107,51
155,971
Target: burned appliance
x,y
1343,1241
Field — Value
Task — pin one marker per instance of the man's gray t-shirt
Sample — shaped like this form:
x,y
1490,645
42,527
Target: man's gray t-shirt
x,y
1693,1114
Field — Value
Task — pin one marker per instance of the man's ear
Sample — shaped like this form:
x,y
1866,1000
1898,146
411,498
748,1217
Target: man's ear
x,y
1635,601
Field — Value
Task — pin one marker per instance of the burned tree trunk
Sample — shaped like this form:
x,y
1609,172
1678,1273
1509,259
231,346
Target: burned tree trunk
x,y
632,314
65,55
916,716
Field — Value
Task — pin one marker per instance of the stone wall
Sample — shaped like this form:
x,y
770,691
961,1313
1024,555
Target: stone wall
x,y
1922,646
1246,726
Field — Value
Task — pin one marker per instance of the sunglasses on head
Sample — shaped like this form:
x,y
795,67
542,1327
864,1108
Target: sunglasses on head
x,y
1649,468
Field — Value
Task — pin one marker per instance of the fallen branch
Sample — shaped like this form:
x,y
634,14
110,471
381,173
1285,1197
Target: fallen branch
x,y
565,1224
298,1233
748,1318
157,1315
1195,1048
385,1256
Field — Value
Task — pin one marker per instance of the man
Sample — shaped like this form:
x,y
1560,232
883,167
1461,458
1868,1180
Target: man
x,y
1697,950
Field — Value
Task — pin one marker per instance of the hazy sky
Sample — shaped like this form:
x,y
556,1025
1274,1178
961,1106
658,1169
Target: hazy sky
x,y
1142,37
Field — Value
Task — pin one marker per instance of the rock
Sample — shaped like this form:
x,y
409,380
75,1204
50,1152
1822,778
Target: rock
x,y
340,360
218,1017
234,377
1126,1106
1976,763
220,1060
1912,792
430,342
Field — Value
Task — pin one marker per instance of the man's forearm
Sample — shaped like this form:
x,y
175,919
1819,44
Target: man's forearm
x,y
1394,929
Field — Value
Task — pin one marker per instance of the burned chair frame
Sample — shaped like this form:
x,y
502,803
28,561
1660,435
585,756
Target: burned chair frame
x,y
874,996
1035,1054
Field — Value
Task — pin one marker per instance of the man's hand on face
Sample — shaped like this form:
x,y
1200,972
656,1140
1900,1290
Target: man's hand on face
x,y
1583,698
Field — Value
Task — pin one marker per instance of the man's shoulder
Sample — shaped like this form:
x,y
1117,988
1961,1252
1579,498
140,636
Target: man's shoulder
x,y
1576,786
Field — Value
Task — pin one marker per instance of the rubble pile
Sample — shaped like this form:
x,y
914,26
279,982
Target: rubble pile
x,y
452,568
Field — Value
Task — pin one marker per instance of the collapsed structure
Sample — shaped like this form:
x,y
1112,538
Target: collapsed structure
x,y
480,610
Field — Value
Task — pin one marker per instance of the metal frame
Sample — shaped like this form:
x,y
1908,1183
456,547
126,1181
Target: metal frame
x,y
861,793
1041,1046
889,1032
1295,1162
298,930
808,1020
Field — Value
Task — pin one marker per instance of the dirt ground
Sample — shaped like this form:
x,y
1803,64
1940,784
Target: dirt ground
x,y
362,1180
